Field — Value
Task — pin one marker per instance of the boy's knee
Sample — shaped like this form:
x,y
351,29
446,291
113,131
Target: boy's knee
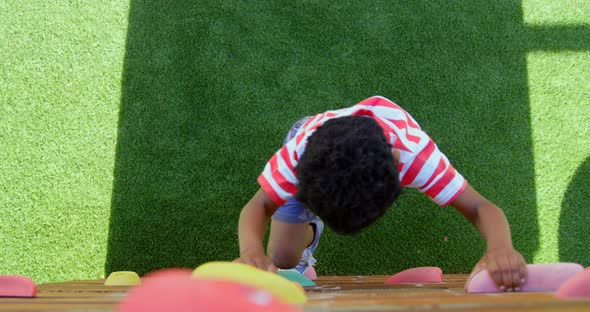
x,y
284,258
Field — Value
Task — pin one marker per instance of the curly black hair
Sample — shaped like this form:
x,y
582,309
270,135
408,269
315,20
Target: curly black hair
x,y
348,175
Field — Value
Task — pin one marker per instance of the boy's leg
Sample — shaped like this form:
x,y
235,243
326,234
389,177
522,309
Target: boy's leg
x,y
294,236
287,242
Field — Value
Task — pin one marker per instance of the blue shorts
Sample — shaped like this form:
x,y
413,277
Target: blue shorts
x,y
293,211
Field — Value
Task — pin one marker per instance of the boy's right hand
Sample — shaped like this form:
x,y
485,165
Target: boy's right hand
x,y
259,261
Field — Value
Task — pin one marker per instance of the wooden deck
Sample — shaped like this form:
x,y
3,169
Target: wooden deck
x,y
333,293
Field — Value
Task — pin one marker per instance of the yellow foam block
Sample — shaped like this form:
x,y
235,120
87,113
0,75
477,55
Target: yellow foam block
x,y
123,278
273,283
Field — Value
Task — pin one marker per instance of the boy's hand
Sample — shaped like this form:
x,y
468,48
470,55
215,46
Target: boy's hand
x,y
259,261
506,267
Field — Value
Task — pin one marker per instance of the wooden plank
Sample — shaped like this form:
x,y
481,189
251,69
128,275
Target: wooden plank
x,y
81,287
371,299
91,282
355,286
81,294
333,294
365,294
89,306
556,307
101,300
334,283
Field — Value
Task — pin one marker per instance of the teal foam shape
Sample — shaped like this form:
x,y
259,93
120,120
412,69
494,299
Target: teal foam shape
x,y
297,277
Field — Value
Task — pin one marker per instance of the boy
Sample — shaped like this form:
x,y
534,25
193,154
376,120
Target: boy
x,y
355,164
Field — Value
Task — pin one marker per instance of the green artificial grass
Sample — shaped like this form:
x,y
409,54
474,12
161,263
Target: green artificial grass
x,y
60,89
132,133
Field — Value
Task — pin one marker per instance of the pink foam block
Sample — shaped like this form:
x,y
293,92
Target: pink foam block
x,y
417,275
540,277
17,286
578,286
170,273
310,273
175,290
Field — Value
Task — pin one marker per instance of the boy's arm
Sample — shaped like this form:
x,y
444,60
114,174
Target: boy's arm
x,y
506,265
252,228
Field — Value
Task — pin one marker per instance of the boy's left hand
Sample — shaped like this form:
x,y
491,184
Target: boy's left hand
x,y
506,266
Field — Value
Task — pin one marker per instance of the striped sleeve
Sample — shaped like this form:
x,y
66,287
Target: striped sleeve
x,y
433,175
278,178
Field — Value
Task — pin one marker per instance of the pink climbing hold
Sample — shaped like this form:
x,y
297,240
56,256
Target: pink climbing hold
x,y
17,286
417,275
170,273
175,290
310,273
540,277
578,286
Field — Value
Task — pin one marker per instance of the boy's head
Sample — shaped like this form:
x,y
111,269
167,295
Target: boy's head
x,y
348,175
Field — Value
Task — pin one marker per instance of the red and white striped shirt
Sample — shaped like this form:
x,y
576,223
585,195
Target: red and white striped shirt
x,y
421,165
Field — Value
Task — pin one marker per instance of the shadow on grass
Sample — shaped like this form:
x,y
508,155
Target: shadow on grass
x,y
574,228
210,89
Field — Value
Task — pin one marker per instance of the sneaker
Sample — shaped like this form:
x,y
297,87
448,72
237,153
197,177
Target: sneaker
x,y
307,258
